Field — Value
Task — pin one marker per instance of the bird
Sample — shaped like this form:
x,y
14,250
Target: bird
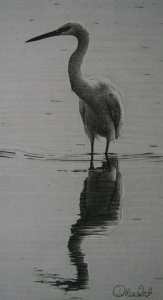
x,y
100,104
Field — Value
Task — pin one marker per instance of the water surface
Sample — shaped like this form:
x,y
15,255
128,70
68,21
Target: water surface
x,y
68,232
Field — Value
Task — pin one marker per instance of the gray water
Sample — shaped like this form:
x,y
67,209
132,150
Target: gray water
x,y
68,232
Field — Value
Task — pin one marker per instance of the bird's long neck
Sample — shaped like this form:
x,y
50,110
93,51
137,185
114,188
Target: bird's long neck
x,y
76,59
78,82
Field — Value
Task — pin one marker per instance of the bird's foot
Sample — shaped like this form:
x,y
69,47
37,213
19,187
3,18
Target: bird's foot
x,y
106,155
91,165
107,159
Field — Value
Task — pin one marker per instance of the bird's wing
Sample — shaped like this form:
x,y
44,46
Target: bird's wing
x,y
116,110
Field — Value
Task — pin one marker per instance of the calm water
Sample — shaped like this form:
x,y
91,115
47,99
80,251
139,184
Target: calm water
x,y
72,233
68,232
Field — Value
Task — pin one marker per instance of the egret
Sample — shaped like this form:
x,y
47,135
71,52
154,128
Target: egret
x,y
100,104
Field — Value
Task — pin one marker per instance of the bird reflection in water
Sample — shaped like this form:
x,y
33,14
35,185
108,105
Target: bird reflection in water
x,y
100,209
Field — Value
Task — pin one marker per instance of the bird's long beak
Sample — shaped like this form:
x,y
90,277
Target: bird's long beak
x,y
46,35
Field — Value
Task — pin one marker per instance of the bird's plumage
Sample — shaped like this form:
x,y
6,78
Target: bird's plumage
x,y
108,117
100,104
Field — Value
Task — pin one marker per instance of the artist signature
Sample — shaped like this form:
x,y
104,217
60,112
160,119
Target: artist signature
x,y
120,291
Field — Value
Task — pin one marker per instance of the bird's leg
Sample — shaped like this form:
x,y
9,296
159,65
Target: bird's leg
x,y
106,151
107,160
92,148
92,152
91,165
107,146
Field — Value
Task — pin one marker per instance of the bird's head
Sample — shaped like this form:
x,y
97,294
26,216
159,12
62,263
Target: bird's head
x,y
75,29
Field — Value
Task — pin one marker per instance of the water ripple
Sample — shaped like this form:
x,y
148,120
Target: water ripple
x,y
79,157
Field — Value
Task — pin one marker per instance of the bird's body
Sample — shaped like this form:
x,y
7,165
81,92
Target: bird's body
x,y
100,104
106,120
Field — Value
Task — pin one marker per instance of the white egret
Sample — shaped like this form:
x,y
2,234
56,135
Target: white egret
x,y
100,104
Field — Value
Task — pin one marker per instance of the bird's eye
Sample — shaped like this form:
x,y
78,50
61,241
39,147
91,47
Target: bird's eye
x,y
66,28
